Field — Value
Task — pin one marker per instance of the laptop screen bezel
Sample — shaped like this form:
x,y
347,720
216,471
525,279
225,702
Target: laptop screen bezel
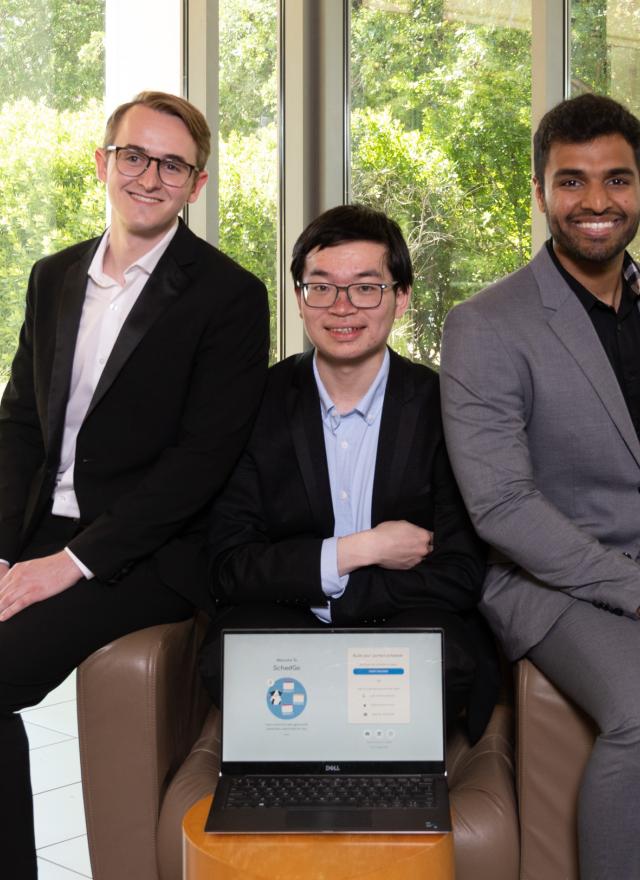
x,y
328,766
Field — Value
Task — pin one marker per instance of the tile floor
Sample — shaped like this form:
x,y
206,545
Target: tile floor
x,y
61,837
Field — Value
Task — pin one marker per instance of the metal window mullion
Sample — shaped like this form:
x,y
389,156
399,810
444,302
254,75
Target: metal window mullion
x,y
549,77
313,134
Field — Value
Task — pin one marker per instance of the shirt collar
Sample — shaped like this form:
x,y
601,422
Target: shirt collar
x,y
368,408
630,274
147,262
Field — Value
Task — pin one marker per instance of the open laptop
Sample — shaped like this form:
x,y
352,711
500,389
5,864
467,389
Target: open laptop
x,y
306,711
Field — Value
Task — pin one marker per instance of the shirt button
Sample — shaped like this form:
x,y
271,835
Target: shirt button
x,y
343,495
102,360
344,444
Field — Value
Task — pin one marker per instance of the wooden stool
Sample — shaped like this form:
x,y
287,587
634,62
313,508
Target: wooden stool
x,y
311,856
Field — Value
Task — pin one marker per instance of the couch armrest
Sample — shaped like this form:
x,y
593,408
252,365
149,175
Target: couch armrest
x,y
553,743
197,777
483,802
140,708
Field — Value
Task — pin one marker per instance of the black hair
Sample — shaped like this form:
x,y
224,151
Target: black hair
x,y
354,223
580,120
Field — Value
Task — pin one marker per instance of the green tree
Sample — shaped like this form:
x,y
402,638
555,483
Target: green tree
x,y
448,103
50,197
52,50
248,64
248,140
248,208
51,118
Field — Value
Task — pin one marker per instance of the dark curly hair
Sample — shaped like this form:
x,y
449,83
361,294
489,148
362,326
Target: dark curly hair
x,y
580,120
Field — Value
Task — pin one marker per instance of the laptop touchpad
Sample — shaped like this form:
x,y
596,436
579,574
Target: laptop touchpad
x,y
328,820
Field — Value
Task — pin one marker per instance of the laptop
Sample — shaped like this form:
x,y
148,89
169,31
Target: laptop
x,y
331,731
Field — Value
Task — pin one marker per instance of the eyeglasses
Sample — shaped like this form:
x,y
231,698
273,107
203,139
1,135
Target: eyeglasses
x,y
133,163
362,295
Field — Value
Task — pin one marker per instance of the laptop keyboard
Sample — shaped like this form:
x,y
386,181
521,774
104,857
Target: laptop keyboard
x,y
380,792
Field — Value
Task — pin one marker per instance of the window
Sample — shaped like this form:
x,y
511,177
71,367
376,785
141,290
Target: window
x,y
440,140
605,49
248,140
52,116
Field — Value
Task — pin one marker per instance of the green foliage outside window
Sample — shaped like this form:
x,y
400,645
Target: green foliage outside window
x,y
441,141
440,138
51,120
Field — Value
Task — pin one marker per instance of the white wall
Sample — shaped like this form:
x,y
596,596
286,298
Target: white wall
x,y
143,43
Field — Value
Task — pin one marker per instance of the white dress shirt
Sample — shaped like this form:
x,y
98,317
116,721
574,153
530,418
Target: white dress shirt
x,y
106,307
351,445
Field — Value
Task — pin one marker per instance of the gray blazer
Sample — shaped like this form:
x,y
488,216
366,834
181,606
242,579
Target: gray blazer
x,y
544,451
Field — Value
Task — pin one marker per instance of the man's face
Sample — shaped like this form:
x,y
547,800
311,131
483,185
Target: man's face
x,y
591,197
341,333
144,206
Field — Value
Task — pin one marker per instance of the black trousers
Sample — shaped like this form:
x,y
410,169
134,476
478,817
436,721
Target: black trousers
x,y
470,662
39,647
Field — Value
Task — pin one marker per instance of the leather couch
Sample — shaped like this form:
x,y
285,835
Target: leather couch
x,y
149,747
554,740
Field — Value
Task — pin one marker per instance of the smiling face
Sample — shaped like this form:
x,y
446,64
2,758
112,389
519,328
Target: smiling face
x,y
342,334
591,197
144,207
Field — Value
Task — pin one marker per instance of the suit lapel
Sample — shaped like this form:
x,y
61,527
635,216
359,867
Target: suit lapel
x,y
570,322
163,286
303,412
74,286
397,427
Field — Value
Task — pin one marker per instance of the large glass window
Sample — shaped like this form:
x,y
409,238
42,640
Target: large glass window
x,y
248,158
440,140
605,49
605,54
51,117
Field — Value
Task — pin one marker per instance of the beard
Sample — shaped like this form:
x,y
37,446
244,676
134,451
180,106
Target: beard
x,y
582,250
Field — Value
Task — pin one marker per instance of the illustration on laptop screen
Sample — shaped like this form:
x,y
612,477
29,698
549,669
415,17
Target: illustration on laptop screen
x,y
355,696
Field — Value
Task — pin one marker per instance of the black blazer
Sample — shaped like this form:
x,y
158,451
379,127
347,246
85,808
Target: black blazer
x,y
168,419
269,523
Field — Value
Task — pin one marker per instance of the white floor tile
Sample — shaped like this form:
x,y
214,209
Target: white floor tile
x,y
61,717
59,815
42,736
65,691
54,766
49,871
72,854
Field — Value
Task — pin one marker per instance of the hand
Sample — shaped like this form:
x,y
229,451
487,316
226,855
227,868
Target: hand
x,y
395,544
4,568
35,580
400,544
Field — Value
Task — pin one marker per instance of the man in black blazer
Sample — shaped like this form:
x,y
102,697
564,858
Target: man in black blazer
x,y
343,509
138,373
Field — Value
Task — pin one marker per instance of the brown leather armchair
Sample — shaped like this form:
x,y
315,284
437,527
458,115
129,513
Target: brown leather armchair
x,y
553,742
149,747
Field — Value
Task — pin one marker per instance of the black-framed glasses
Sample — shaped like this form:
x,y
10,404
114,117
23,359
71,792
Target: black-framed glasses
x,y
361,294
133,163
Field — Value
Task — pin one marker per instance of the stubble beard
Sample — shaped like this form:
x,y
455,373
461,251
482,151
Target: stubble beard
x,y
595,251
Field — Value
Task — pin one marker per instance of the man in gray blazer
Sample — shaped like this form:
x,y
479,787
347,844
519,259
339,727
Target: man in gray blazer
x,y
541,396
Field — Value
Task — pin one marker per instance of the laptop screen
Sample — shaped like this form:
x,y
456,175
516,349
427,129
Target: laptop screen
x,y
339,695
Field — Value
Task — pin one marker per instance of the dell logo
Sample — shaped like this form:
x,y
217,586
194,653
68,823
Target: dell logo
x,y
332,768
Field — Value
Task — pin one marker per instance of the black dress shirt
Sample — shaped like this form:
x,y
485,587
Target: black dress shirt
x,y
618,331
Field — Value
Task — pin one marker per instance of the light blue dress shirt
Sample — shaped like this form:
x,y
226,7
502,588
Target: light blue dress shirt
x,y
351,445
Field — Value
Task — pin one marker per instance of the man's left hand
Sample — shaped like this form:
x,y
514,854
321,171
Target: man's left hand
x,y
35,580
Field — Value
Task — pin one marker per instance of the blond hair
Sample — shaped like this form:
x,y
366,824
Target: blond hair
x,y
174,106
